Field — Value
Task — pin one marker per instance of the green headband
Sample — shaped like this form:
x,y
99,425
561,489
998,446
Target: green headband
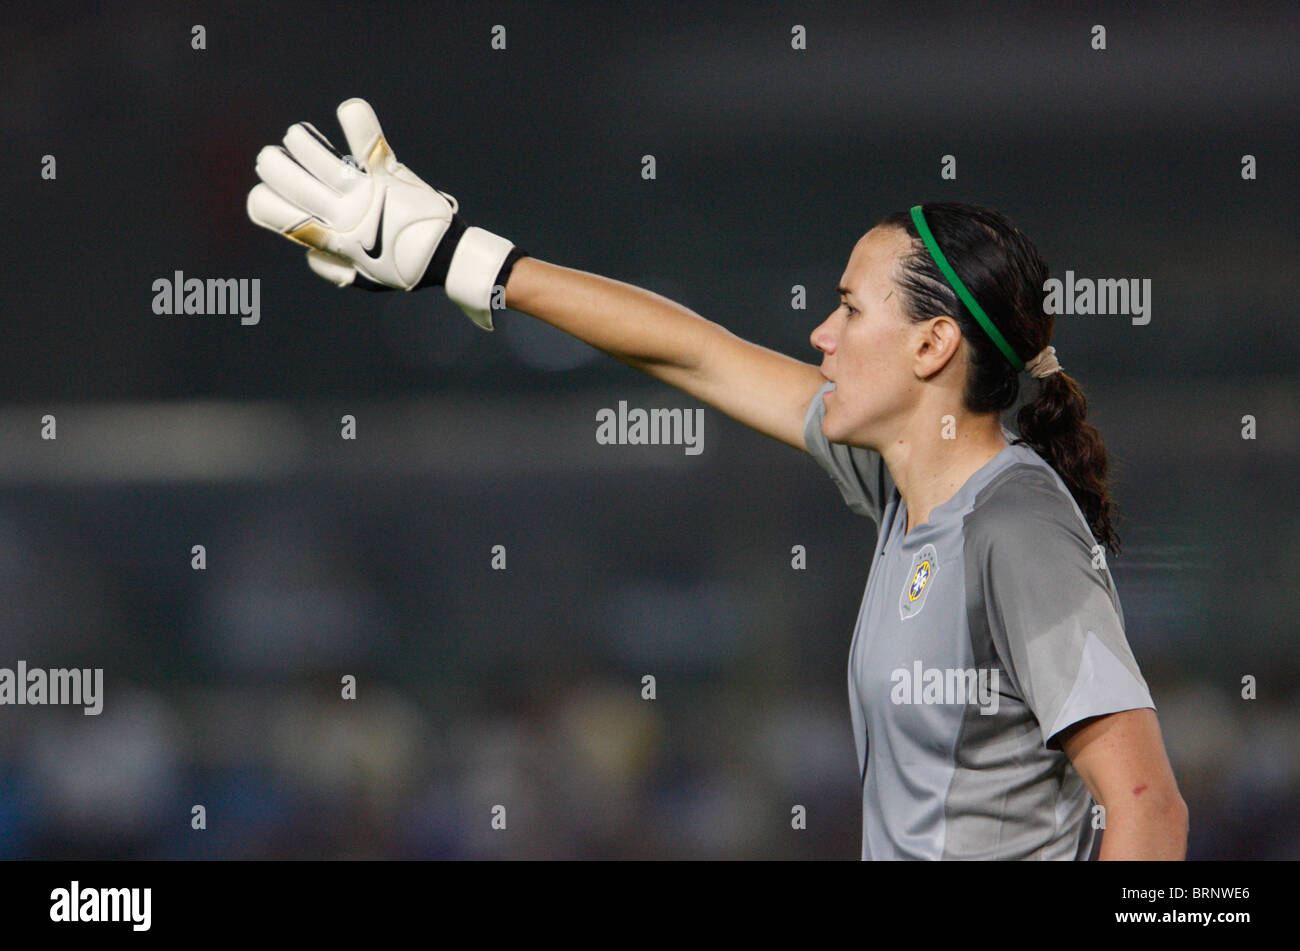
x,y
966,298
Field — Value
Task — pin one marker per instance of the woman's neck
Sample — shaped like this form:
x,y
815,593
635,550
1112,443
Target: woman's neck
x,y
930,463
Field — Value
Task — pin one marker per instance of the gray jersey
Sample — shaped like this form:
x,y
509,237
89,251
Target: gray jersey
x,y
983,633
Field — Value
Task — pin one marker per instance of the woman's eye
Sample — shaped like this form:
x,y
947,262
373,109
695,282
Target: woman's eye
x,y
849,309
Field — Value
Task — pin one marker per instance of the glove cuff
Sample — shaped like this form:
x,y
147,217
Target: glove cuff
x,y
435,273
478,261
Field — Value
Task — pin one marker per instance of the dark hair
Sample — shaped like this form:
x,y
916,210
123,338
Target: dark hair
x,y
1005,273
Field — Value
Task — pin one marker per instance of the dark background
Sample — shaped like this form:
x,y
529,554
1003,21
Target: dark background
x,y
371,558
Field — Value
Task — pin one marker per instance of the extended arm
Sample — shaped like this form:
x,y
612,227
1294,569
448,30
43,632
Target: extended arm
x,y
370,222
761,388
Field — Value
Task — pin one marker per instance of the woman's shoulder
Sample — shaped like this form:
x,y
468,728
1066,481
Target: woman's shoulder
x,y
1026,506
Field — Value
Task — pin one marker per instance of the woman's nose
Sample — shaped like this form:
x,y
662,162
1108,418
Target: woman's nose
x,y
821,337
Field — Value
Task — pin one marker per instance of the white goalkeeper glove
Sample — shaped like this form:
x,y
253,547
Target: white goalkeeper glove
x,y
371,222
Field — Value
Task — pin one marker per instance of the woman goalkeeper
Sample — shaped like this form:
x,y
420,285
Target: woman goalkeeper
x,y
993,693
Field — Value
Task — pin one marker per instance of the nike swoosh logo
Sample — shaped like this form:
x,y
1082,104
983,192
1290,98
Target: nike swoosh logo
x,y
376,249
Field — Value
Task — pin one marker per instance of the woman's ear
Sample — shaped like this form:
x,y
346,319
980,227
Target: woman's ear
x,y
939,341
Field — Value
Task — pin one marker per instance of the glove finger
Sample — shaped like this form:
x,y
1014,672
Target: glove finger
x,y
294,183
268,209
331,267
365,137
314,152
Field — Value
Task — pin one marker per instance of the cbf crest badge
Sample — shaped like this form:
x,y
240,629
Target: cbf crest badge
x,y
925,565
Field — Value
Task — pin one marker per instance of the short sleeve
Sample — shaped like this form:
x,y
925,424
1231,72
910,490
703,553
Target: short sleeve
x,y
860,474
1051,606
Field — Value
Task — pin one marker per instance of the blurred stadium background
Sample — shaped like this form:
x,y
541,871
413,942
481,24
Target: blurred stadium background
x,y
371,557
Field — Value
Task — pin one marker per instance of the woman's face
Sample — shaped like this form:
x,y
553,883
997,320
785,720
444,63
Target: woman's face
x,y
868,346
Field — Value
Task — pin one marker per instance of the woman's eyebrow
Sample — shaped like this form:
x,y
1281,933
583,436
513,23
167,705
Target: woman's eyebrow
x,y
845,292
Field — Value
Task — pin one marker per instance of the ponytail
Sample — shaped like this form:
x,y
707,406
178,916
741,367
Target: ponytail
x,y
1054,426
